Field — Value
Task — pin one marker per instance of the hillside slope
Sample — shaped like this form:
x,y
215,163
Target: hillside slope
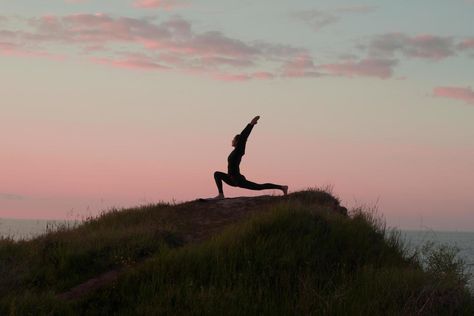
x,y
293,255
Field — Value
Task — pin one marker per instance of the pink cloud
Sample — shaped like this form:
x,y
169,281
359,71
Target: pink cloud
x,y
158,4
93,48
263,75
173,44
231,77
131,62
6,47
466,44
279,51
170,44
215,43
12,49
430,46
173,35
217,61
457,93
243,76
92,29
300,66
379,68
420,46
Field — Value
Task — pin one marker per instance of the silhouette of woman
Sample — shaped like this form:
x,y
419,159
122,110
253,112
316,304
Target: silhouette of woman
x,y
233,177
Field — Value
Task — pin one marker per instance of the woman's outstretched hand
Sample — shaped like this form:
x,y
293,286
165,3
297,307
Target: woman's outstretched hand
x,y
255,120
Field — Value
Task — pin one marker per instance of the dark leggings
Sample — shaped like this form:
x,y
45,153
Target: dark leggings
x,y
241,182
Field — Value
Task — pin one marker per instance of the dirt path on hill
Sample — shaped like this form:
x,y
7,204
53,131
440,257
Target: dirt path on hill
x,y
207,218
199,221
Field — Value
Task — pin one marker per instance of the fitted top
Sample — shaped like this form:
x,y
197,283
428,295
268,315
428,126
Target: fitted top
x,y
236,155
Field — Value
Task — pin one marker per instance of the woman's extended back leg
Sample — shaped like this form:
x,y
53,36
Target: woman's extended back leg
x,y
246,184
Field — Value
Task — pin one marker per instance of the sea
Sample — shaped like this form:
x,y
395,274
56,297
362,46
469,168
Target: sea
x,y
25,229
462,241
19,229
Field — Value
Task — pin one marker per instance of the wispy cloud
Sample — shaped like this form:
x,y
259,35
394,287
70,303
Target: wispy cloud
x,y
6,46
130,62
357,9
318,19
315,19
466,44
379,68
7,196
13,49
385,51
420,46
465,94
243,76
160,4
300,66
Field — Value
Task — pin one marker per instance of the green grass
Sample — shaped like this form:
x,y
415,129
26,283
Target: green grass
x,y
294,256
111,240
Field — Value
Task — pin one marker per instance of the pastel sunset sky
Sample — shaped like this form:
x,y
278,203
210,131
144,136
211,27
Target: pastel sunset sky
x,y
116,103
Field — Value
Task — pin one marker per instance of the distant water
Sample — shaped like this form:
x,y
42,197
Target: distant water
x,y
19,229
463,241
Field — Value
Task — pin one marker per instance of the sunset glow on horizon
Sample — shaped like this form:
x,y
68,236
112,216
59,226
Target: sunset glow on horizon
x,y
122,103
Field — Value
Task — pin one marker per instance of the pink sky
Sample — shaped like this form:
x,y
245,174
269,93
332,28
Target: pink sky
x,y
137,103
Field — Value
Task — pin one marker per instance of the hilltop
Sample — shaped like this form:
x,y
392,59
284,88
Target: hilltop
x,y
300,254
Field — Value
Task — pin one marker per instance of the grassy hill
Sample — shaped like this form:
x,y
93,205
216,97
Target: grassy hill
x,y
295,255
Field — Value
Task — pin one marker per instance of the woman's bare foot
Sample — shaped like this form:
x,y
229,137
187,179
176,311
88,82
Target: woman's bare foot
x,y
284,188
